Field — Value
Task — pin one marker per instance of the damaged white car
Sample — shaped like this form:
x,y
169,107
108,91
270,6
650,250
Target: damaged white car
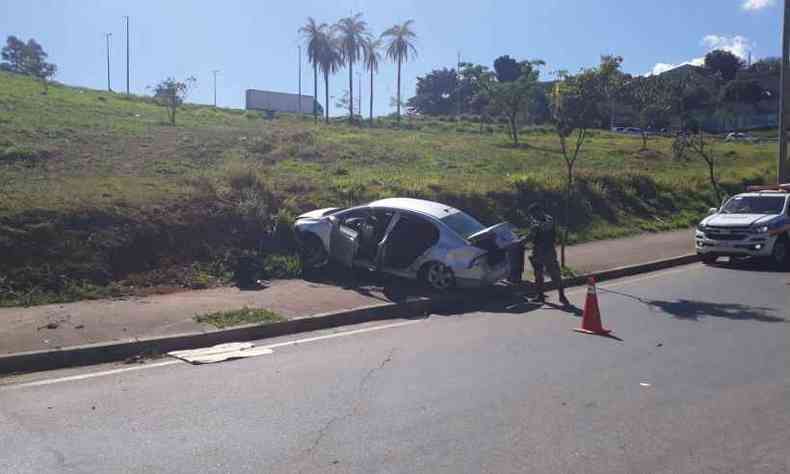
x,y
416,239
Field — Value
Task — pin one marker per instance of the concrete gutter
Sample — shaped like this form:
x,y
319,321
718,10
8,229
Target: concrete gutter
x,y
91,354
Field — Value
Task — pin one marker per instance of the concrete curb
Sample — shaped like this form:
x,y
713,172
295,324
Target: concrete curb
x,y
91,354
631,270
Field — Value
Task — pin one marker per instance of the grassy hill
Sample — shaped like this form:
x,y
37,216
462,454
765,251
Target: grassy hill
x,y
99,196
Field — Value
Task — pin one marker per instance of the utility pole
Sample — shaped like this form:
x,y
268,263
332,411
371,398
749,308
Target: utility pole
x,y
107,37
784,98
127,54
458,75
299,73
215,71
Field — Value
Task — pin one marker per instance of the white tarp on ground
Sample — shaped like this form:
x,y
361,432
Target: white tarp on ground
x,y
219,353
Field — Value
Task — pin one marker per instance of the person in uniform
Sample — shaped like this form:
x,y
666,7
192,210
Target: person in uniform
x,y
544,254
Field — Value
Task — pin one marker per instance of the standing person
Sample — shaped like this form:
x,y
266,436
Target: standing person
x,y
544,254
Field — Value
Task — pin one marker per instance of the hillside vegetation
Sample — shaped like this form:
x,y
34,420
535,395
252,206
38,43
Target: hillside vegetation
x,y
99,196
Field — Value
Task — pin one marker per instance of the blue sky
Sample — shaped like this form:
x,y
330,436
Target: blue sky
x,y
254,43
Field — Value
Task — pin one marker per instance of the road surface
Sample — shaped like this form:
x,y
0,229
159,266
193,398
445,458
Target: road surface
x,y
698,383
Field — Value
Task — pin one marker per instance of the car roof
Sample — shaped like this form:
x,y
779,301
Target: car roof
x,y
430,208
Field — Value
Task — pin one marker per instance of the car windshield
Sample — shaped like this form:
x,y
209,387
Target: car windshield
x,y
463,224
754,205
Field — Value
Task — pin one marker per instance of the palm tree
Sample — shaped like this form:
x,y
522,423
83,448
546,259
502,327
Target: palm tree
x,y
351,36
372,52
399,45
329,60
313,34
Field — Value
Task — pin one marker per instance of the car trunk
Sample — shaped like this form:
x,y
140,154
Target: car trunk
x,y
497,240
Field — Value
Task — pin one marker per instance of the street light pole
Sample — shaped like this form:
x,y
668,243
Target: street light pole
x,y
215,71
299,73
784,97
107,37
127,54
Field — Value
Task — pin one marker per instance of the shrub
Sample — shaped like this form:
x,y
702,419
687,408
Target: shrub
x,y
282,266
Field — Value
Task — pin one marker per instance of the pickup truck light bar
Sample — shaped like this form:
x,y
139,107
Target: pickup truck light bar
x,y
774,187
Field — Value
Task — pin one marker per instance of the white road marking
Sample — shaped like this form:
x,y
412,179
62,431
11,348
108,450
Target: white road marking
x,y
263,349
313,339
91,375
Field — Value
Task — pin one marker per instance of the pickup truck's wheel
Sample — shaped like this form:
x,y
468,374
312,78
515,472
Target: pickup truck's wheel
x,y
313,253
779,253
438,276
708,259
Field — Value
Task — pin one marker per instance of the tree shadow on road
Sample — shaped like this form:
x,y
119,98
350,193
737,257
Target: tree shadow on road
x,y
696,310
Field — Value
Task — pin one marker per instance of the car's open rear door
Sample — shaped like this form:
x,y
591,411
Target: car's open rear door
x,y
343,244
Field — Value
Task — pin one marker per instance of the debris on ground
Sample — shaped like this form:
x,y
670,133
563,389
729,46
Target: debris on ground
x,y
135,359
220,352
49,325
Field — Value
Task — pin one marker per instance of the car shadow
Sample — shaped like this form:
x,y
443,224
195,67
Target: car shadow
x,y
494,299
692,310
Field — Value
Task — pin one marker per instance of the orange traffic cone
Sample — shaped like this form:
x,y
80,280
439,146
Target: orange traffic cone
x,y
591,319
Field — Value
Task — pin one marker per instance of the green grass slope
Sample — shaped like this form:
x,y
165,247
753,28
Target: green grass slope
x,y
99,196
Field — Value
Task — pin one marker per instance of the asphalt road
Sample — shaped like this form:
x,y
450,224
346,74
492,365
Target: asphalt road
x,y
698,383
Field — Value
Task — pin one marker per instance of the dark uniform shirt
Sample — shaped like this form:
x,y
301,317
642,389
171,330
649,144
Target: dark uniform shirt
x,y
545,235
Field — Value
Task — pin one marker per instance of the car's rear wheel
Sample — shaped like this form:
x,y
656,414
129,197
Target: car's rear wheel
x,y
438,276
313,253
779,253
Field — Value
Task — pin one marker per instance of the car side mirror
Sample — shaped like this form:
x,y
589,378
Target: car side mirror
x,y
713,210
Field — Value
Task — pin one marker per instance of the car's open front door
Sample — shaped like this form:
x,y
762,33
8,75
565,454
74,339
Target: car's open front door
x,y
343,243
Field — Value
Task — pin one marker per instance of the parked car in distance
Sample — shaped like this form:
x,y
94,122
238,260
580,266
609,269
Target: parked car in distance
x,y
618,129
411,238
634,130
739,137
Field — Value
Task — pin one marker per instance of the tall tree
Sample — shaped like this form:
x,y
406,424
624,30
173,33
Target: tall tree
x,y
723,62
575,110
329,62
14,53
27,58
436,93
507,69
351,33
400,44
651,98
511,98
314,34
372,57
612,80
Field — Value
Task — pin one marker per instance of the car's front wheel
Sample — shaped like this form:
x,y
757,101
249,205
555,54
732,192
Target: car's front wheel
x,y
312,253
438,276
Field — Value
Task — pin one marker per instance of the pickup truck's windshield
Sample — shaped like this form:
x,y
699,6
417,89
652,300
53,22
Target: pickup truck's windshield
x,y
754,205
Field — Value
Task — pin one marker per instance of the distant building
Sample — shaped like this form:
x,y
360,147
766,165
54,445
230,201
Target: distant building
x,y
269,101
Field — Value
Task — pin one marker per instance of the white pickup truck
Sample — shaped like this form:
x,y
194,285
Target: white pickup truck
x,y
752,224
